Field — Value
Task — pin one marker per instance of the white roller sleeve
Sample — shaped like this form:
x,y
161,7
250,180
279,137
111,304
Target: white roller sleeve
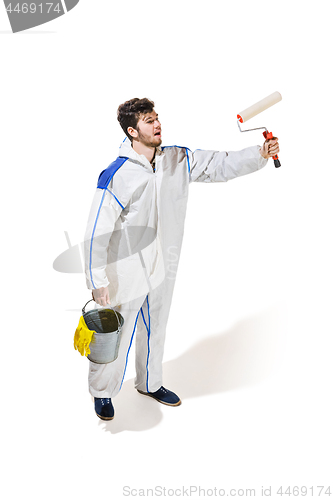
x,y
260,106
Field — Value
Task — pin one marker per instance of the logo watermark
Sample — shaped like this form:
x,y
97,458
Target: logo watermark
x,y
125,243
187,491
129,253
25,15
200,492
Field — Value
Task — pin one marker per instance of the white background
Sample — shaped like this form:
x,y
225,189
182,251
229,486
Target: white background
x,y
249,343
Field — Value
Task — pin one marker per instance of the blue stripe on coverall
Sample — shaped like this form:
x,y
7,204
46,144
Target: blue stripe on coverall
x,y
186,149
103,182
148,332
92,239
92,236
115,197
136,320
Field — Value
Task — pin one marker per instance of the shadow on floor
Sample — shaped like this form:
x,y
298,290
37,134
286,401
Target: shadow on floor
x,y
245,355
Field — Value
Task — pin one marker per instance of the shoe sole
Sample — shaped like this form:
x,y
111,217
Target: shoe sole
x,y
158,400
105,418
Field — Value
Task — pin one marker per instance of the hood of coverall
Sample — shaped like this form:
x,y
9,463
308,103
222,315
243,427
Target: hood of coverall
x,y
127,150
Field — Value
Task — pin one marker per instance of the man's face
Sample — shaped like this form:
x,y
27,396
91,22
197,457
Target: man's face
x,y
149,130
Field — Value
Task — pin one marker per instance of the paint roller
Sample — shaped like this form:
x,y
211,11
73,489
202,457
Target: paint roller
x,y
254,110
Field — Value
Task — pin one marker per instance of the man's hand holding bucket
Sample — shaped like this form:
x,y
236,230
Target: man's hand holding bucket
x,y
101,296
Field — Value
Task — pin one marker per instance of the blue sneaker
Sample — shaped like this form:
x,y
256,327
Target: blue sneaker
x,y
164,396
104,408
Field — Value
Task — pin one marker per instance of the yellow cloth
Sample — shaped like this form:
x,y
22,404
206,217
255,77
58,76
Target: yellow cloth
x,y
82,338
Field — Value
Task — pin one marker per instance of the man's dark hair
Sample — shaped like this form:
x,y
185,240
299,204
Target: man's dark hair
x,y
130,111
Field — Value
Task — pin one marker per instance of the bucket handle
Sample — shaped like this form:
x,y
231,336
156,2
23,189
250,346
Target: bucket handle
x,y
91,300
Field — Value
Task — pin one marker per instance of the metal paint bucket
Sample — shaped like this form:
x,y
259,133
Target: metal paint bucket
x,y
107,324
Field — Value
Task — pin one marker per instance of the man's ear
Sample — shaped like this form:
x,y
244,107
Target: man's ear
x,y
132,132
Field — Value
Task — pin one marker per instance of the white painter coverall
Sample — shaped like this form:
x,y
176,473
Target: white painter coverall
x,y
139,271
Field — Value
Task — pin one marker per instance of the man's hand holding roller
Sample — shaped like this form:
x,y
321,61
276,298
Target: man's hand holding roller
x,y
270,148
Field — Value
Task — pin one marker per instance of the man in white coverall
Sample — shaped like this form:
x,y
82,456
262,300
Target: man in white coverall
x,y
132,269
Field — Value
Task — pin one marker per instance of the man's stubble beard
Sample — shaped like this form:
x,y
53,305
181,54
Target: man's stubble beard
x,y
147,143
